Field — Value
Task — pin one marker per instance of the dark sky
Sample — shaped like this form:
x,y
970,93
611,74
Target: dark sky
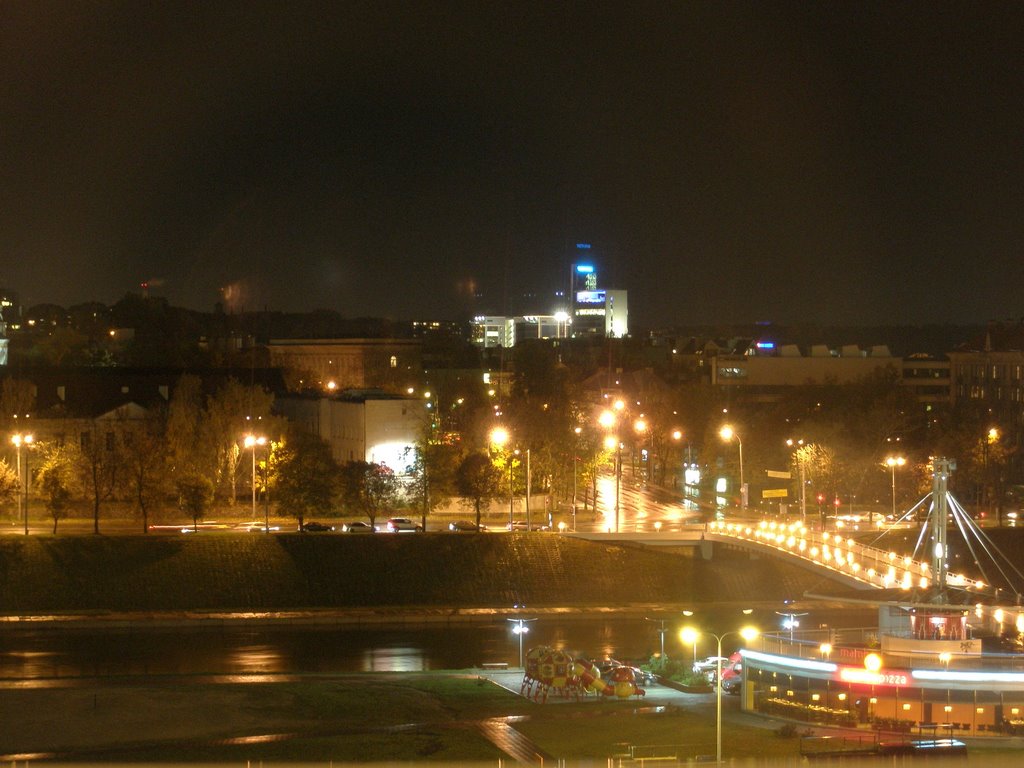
x,y
730,162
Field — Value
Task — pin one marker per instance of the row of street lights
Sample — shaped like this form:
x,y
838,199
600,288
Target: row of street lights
x,y
27,439
611,420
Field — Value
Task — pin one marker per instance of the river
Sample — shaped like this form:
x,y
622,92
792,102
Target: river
x,y
33,654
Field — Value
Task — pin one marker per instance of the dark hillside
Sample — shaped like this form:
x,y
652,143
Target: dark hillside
x,y
254,572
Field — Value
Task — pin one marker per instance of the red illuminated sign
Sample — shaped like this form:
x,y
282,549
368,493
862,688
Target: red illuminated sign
x,y
863,676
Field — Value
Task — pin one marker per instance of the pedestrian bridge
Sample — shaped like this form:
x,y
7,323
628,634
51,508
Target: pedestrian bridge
x,y
830,554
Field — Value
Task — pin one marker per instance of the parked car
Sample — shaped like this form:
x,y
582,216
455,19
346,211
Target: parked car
x,y
710,664
314,527
357,527
644,677
463,526
403,525
731,684
732,674
521,525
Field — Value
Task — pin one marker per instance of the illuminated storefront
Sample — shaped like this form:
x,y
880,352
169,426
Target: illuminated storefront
x,y
983,695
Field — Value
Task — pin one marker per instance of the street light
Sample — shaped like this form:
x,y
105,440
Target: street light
x,y
801,460
892,462
689,636
519,628
661,633
640,427
251,441
575,472
727,433
748,634
790,621
611,419
611,441
20,439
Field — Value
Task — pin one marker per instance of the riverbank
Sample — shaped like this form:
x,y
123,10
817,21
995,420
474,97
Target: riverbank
x,y
433,577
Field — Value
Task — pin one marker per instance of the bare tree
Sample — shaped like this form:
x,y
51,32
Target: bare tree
x,y
96,464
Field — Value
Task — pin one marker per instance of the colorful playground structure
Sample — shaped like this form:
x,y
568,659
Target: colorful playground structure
x,y
551,671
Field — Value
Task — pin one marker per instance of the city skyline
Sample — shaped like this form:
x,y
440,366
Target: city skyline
x,y
740,163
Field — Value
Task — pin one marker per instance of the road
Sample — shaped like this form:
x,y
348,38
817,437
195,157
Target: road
x,y
642,508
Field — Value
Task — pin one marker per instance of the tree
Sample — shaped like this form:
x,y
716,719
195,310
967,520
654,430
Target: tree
x,y
96,463
232,412
368,488
431,472
10,485
146,470
195,495
306,477
56,477
188,453
478,481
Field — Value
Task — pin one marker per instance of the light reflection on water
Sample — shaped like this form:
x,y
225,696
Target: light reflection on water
x,y
286,650
248,659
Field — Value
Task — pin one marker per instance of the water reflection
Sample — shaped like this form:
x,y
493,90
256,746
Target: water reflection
x,y
396,659
288,650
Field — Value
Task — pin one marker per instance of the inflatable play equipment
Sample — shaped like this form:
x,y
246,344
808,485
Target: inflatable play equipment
x,y
551,671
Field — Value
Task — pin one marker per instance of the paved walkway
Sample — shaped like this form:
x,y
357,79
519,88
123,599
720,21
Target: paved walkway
x,y
501,733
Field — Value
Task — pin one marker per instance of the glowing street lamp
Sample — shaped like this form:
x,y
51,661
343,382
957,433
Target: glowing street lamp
x,y
19,440
519,628
892,462
749,634
790,621
801,460
689,636
610,442
727,433
251,441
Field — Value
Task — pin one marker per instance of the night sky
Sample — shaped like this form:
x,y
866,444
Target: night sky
x,y
833,163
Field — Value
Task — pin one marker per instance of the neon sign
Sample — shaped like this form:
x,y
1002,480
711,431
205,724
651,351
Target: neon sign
x,y
863,676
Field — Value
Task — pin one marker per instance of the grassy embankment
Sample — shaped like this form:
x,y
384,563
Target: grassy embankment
x,y
334,571
350,718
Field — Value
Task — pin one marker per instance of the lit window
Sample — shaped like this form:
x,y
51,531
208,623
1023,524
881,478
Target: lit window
x,y
394,361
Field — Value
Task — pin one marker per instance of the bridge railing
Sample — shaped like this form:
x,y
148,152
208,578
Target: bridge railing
x,y
876,567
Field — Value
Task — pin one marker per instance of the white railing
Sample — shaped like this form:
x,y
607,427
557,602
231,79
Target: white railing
x,y
876,567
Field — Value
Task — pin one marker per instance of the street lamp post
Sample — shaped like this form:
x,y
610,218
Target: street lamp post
x,y
727,433
892,462
609,419
661,633
529,522
519,628
748,634
251,441
19,440
689,636
790,621
800,459
575,472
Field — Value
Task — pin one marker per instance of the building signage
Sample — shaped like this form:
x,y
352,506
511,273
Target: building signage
x,y
590,297
863,676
